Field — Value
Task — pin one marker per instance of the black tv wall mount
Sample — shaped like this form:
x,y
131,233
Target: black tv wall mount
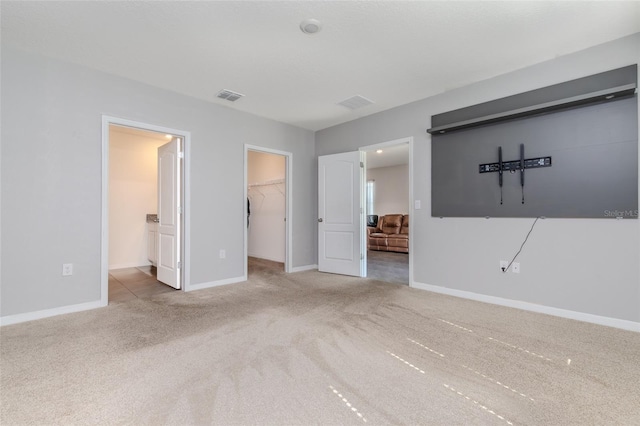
x,y
513,166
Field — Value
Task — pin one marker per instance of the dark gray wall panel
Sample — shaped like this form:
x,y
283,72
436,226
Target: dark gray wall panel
x,y
593,83
594,172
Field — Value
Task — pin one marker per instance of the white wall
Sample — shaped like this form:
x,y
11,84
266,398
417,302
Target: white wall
x,y
391,189
51,178
266,233
588,266
133,193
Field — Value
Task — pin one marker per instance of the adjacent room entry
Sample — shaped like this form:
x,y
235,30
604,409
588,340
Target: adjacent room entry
x,y
350,195
388,210
145,195
266,208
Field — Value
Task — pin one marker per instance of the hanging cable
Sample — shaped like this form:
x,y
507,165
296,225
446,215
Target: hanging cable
x,y
504,270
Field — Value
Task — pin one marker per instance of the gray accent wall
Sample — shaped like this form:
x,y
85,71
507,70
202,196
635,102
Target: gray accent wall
x,y
51,178
590,266
594,172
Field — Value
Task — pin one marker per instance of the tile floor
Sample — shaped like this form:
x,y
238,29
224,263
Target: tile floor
x,y
256,264
130,283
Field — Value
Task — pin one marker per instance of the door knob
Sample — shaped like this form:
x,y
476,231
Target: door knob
x,y
320,220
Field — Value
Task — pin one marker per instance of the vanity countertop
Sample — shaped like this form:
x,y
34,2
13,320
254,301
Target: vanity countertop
x,y
152,218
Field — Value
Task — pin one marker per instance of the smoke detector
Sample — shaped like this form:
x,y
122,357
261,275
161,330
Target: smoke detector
x,y
310,26
229,95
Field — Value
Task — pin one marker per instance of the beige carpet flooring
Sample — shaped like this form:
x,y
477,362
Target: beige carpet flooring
x,y
312,348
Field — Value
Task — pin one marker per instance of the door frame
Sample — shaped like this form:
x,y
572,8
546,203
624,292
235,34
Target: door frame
x,y
411,207
185,195
288,166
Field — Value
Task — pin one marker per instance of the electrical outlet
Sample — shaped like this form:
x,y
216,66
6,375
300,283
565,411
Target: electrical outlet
x,y
223,254
515,268
67,269
503,265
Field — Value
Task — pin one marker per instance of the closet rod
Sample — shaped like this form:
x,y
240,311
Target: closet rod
x,y
271,182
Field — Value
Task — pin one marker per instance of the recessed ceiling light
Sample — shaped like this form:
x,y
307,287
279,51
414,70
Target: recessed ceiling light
x,y
379,151
310,26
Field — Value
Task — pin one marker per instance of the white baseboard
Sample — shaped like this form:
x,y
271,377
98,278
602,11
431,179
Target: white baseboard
x,y
129,265
526,306
218,283
46,313
303,268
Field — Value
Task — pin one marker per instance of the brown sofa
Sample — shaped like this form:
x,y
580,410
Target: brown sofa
x,y
391,234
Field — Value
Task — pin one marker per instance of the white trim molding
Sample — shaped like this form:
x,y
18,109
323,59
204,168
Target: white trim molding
x,y
532,307
218,283
304,268
46,313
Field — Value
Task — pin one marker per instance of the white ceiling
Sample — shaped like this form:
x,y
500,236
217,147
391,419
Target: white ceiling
x,y
394,155
148,134
391,52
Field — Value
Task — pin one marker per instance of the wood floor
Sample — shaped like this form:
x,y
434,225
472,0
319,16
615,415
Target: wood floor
x,y
384,266
388,266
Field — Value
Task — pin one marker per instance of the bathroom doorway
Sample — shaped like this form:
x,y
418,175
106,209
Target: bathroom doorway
x,y
144,171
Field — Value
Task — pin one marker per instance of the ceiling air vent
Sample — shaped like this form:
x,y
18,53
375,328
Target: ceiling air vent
x,y
229,95
355,102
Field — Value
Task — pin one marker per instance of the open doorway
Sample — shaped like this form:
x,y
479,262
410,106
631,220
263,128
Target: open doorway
x,y
142,221
133,204
267,192
387,201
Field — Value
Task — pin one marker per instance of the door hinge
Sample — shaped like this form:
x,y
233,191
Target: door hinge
x,y
179,209
361,256
179,265
361,165
181,154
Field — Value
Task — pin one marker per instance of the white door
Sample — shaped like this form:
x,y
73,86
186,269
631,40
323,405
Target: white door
x,y
340,214
168,248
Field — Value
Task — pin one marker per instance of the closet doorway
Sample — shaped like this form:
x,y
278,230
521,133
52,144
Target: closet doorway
x,y
267,186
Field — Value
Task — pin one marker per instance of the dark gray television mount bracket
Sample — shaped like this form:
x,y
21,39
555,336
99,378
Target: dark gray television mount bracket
x,y
513,166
